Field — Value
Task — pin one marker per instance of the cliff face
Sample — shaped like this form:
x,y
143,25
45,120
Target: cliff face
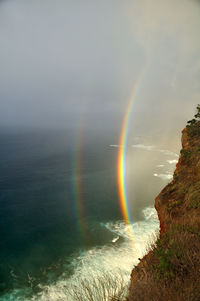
x,y
171,269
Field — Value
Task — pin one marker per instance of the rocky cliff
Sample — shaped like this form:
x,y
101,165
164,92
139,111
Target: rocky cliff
x,y
171,269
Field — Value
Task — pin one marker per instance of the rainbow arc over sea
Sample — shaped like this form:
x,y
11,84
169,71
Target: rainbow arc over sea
x,y
121,170
121,164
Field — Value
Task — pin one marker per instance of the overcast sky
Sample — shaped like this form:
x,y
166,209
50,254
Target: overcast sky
x,y
66,62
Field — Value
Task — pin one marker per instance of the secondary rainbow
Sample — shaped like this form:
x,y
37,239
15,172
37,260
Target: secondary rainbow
x,y
77,184
121,165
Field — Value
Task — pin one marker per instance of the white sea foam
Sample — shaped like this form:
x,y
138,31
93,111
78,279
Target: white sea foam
x,y
163,176
147,147
168,153
160,165
114,145
172,161
113,260
115,239
153,148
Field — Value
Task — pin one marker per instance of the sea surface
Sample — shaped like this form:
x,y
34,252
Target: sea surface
x,y
60,217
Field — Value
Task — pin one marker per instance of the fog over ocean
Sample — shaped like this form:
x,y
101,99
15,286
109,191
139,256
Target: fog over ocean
x,y
74,77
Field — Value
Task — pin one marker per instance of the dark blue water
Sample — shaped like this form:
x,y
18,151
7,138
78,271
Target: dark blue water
x,y
59,206
39,225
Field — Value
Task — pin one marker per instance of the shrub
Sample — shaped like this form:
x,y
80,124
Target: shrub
x,y
108,287
185,154
173,204
193,126
164,253
193,197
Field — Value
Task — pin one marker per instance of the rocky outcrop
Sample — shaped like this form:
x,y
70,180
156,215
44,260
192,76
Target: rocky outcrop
x,y
171,269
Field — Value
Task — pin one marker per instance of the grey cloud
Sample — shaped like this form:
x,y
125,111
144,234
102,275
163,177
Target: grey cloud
x,y
64,59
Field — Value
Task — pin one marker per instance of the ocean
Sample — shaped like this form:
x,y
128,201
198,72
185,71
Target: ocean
x,y
60,218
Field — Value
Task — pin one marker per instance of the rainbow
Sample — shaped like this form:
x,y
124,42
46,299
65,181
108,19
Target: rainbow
x,y
121,163
121,170
77,188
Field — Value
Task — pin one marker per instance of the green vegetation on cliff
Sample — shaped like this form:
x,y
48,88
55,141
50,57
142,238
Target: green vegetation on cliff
x,y
171,269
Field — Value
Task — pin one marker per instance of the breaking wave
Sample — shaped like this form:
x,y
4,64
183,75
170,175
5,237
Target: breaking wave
x,y
116,259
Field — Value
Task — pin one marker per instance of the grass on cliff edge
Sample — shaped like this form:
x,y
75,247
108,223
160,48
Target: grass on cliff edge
x,y
108,287
171,270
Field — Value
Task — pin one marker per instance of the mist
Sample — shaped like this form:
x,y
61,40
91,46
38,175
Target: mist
x,y
69,183
74,64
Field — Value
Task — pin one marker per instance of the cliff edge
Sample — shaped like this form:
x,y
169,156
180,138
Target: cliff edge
x,y
171,269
